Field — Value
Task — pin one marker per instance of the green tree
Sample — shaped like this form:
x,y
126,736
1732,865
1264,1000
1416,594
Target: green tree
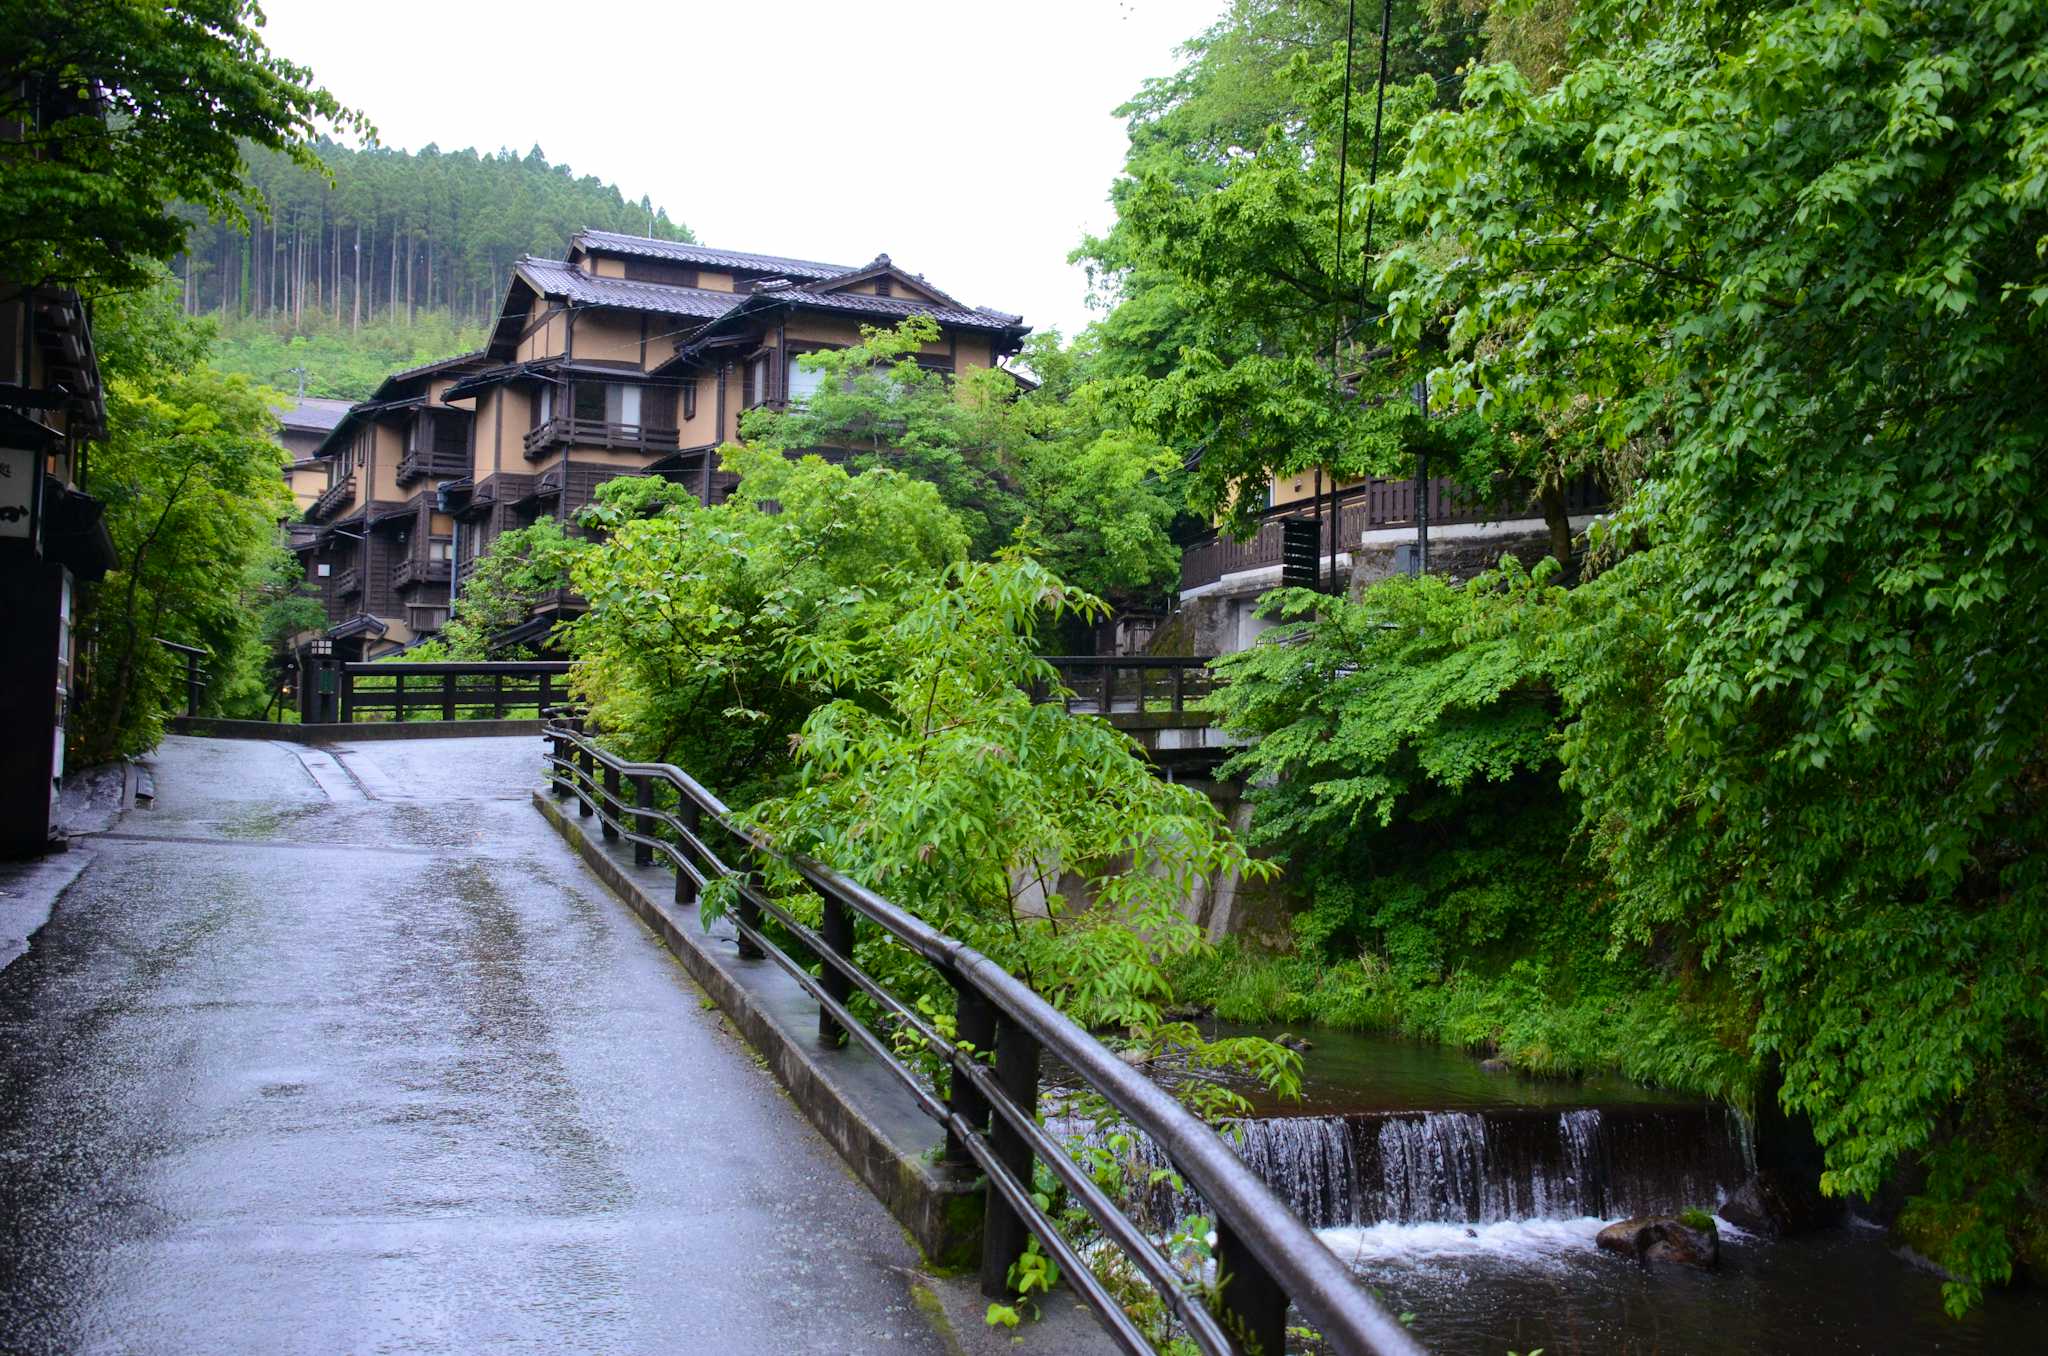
x,y
1797,246
1057,465
162,100
694,648
523,567
190,477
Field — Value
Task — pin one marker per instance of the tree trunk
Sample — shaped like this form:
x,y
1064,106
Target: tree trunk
x,y
355,320
1557,517
412,248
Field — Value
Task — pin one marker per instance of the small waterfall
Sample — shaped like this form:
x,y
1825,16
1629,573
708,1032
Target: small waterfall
x,y
1487,1166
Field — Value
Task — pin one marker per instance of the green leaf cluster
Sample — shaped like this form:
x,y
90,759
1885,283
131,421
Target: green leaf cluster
x,y
190,478
1794,252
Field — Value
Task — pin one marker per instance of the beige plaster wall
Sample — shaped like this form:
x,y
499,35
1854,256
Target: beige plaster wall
x,y
608,336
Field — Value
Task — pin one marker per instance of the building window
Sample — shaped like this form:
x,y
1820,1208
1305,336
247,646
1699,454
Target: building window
x,y
588,397
689,400
323,570
757,381
439,548
802,381
544,405
884,286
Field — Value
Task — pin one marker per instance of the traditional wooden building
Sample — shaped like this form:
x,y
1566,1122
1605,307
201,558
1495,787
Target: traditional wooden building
x,y
52,534
380,549
301,427
635,356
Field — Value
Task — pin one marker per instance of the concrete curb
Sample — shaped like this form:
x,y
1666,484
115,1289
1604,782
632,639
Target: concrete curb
x,y
210,728
854,1101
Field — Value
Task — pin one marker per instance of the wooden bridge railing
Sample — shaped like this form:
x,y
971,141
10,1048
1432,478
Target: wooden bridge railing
x,y
396,690
1133,684
1265,1256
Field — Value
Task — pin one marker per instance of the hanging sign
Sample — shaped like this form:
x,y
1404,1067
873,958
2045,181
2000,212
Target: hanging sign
x,y
19,474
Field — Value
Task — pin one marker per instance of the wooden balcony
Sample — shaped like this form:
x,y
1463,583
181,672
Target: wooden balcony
x,y
337,497
1362,508
420,464
555,433
411,572
348,583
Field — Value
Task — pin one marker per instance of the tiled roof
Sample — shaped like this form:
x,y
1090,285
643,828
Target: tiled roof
x,y
424,369
553,278
611,242
894,308
314,413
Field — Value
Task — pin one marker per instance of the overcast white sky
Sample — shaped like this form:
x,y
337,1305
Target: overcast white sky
x,y
972,141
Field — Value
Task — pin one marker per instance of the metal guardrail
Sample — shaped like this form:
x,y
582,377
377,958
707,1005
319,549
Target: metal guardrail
x,y
1265,1256
1132,684
450,691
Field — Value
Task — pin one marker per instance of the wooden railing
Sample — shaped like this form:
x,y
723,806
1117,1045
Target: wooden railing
x,y
196,675
421,461
349,581
395,690
409,572
336,496
1133,684
598,433
1265,1256
1361,508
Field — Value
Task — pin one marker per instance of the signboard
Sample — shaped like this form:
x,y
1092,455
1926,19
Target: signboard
x,y
19,474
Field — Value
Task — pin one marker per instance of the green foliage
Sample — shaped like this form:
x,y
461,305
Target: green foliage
x,y
190,478
335,361
713,632
1057,467
1404,754
1797,248
167,98
524,567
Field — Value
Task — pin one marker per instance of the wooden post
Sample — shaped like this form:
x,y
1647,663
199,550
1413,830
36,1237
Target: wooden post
x,y
546,699
1108,687
1180,675
398,694
448,696
974,1024
643,823
1002,1231
837,931
498,696
612,802
1253,1307
586,790
348,694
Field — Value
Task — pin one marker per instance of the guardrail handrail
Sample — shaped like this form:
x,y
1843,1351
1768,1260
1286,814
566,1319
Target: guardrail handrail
x,y
1265,1255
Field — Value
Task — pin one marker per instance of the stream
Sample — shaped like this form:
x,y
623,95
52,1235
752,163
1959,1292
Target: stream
x,y
1470,1199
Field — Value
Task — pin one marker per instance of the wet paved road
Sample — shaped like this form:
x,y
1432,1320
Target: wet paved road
x,y
347,1053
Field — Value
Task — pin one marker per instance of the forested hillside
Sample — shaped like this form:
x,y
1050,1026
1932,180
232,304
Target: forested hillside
x,y
400,259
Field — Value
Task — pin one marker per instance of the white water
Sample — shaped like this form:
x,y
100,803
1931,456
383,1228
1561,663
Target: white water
x,y
1533,1244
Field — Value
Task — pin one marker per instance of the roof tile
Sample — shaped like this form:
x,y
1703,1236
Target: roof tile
x,y
682,252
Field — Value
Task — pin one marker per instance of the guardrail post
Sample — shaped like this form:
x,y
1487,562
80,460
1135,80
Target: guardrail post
x,y
686,889
586,789
448,697
348,696
546,699
643,823
1002,1232
498,698
398,695
1108,687
1180,676
1252,1306
974,1026
837,931
612,802
558,779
